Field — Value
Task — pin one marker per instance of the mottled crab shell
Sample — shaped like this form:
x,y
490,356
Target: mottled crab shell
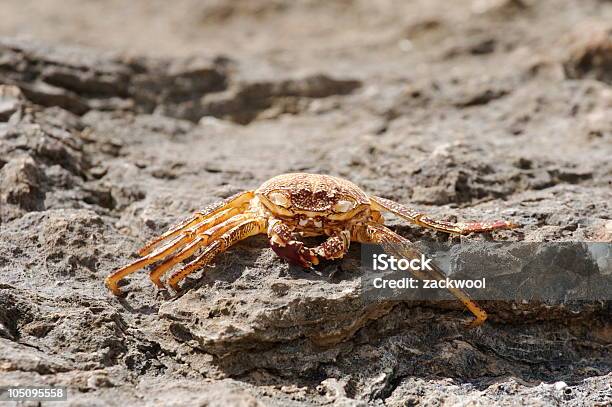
x,y
312,192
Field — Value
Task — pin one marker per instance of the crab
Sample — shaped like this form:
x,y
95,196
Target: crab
x,y
287,208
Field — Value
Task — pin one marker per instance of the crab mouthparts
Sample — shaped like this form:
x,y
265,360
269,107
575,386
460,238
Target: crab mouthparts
x,y
310,222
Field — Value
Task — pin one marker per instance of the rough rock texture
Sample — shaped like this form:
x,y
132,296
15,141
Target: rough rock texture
x,y
467,110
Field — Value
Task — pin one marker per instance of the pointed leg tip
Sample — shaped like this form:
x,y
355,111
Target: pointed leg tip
x,y
114,287
117,292
157,282
175,287
476,322
504,224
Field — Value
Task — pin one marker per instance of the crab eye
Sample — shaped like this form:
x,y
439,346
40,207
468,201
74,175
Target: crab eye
x,y
343,206
279,199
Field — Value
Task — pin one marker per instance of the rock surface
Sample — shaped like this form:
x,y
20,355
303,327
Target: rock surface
x,y
505,114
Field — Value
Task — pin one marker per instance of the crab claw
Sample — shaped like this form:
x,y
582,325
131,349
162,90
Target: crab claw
x,y
295,253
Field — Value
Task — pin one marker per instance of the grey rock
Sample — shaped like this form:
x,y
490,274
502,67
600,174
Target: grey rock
x,y
99,152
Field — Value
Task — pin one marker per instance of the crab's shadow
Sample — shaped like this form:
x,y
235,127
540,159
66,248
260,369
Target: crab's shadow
x,y
253,258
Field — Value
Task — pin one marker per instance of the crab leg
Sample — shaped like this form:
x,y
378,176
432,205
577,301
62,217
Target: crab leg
x,y
189,250
372,232
461,228
202,240
244,229
185,236
235,201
